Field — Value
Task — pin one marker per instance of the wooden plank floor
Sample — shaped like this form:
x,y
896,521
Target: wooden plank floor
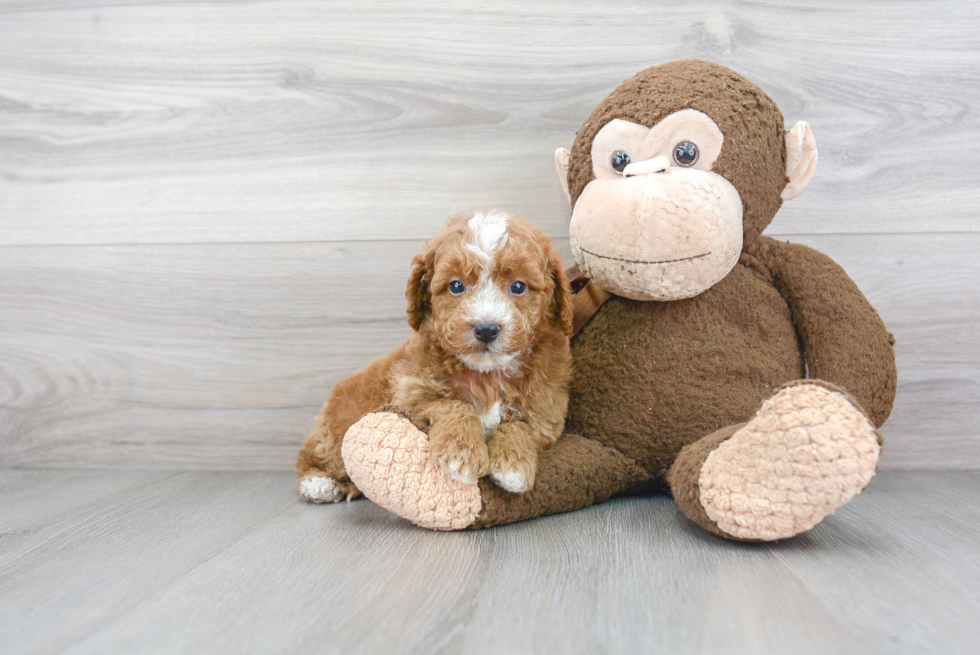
x,y
131,561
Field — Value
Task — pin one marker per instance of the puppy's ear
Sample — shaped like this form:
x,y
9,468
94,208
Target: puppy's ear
x,y
418,293
562,303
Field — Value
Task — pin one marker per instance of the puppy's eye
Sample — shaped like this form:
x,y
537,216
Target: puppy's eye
x,y
456,287
686,154
518,288
619,161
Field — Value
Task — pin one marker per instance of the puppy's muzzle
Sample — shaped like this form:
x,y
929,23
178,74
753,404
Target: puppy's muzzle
x,y
486,332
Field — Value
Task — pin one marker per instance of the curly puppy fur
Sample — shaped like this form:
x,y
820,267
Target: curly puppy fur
x,y
491,404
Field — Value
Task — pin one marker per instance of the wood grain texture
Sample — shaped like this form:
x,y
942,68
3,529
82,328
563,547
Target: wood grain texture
x,y
228,562
207,213
218,356
296,121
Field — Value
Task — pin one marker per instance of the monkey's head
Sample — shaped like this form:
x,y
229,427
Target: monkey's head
x,y
673,173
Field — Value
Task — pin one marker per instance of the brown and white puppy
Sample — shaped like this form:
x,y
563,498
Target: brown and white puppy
x,y
487,367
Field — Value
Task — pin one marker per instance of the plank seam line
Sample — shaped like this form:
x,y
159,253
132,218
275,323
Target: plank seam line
x,y
129,244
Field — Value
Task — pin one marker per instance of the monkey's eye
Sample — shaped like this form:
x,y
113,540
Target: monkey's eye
x,y
619,161
456,287
686,154
518,288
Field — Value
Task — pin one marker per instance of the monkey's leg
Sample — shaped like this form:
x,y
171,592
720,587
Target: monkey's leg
x,y
387,456
806,452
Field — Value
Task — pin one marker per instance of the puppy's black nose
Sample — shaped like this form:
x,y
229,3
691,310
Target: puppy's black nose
x,y
486,332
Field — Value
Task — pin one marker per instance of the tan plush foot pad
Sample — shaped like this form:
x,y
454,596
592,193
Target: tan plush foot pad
x,y
387,457
804,454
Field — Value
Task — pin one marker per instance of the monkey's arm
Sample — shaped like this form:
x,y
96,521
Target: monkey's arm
x,y
844,340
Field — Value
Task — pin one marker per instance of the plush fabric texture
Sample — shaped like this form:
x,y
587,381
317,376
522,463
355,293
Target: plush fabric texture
x,y
801,159
805,453
653,377
684,477
574,473
843,339
752,157
587,302
387,457
783,308
691,244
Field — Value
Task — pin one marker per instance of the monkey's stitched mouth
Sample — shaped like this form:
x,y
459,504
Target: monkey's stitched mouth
x,y
640,261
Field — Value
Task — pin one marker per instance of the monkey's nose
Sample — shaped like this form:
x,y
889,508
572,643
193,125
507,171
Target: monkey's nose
x,y
486,332
646,167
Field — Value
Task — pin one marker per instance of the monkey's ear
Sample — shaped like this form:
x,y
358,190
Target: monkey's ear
x,y
417,293
801,159
561,163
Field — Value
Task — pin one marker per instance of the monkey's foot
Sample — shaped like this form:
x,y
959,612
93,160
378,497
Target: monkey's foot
x,y
805,453
387,457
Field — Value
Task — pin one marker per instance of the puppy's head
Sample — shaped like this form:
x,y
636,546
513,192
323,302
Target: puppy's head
x,y
488,287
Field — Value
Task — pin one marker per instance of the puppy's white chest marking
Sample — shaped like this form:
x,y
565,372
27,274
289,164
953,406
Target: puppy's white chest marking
x,y
490,419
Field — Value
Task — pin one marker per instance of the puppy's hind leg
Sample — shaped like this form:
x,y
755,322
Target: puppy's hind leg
x,y
320,468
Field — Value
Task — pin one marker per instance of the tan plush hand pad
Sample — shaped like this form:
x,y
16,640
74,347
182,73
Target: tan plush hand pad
x,y
388,459
804,454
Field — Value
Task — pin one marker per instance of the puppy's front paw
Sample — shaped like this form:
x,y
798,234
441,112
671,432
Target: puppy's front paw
x,y
323,489
513,458
513,473
466,462
512,481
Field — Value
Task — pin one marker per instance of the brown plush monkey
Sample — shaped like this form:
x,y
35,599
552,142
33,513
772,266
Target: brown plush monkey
x,y
746,373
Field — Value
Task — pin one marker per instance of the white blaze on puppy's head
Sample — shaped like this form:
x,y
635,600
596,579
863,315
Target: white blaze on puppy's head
x,y
487,233
487,237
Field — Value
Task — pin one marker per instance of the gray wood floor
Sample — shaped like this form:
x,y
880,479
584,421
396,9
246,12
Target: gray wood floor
x,y
131,561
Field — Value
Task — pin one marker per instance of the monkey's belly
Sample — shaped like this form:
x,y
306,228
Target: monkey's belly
x,y
652,377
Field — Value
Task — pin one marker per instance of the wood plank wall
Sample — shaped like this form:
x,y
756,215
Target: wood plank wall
x,y
207,209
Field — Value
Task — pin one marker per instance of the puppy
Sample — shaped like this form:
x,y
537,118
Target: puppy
x,y
487,367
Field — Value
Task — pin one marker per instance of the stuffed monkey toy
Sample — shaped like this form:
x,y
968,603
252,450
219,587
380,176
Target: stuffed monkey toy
x,y
748,375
